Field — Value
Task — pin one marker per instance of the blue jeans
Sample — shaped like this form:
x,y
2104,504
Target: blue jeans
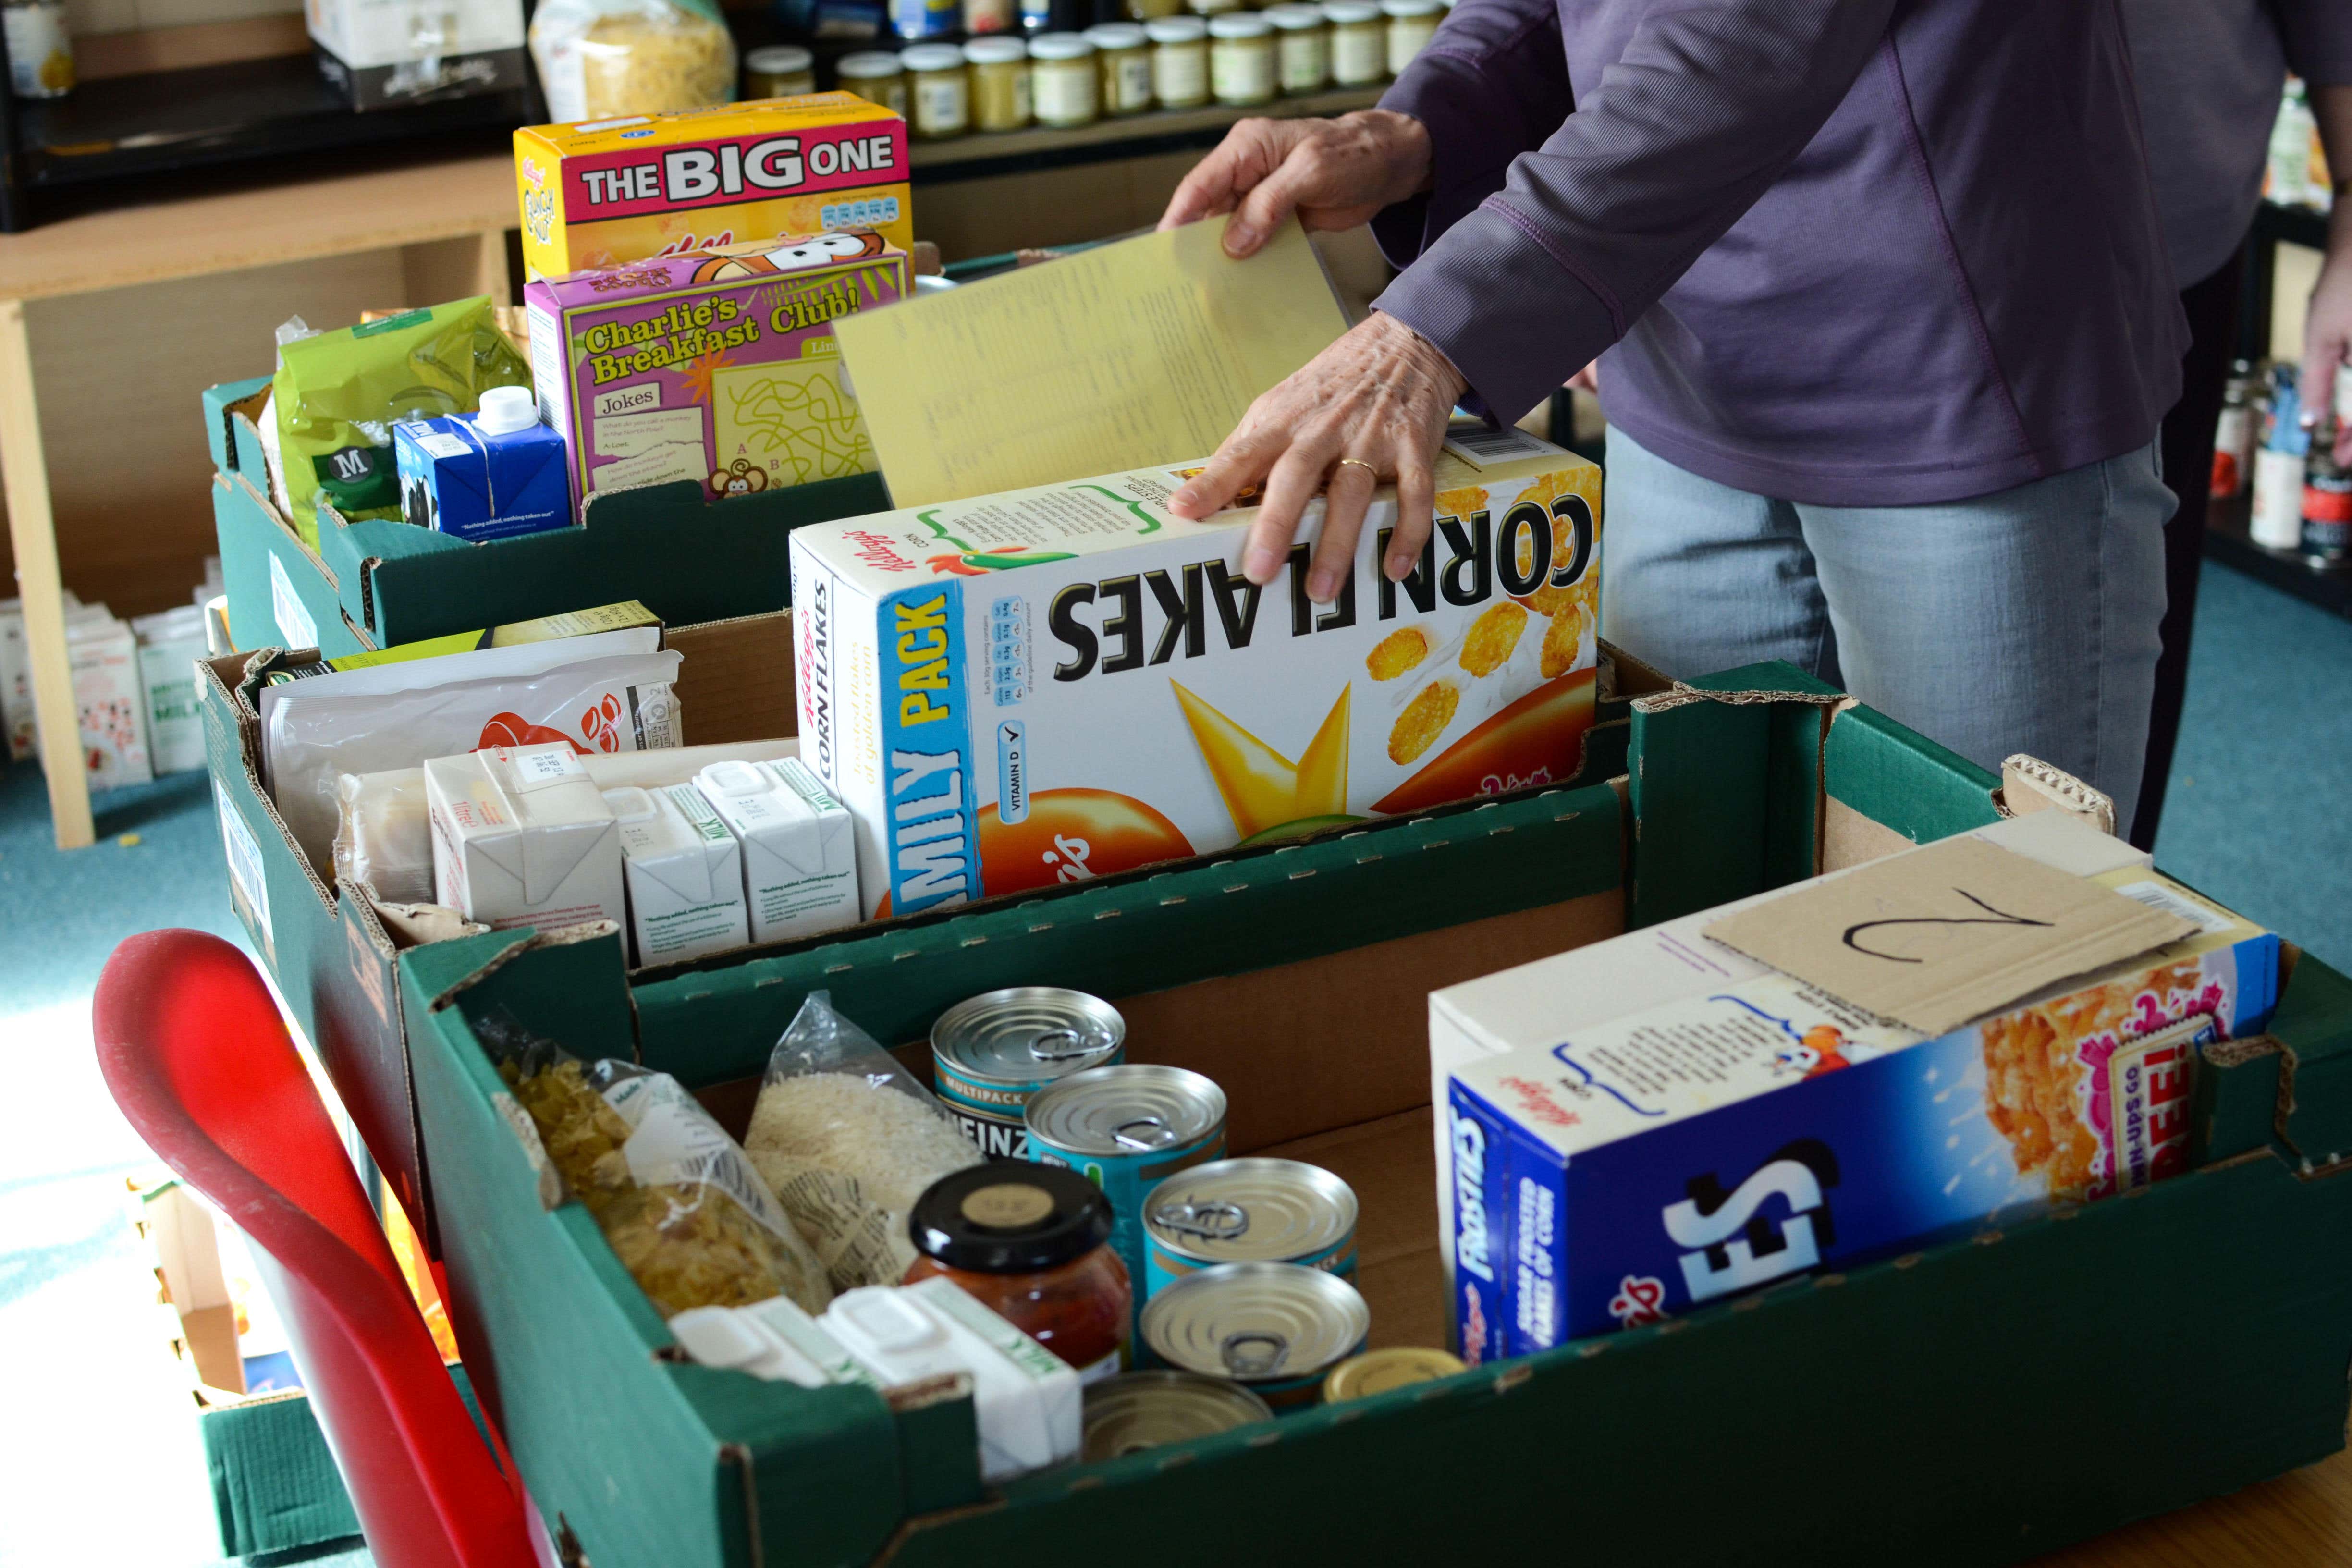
x,y
2021,621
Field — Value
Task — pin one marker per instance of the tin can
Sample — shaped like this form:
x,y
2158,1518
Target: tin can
x,y
1377,1372
1128,1128
1277,1328
990,1053
1248,1211
1140,1410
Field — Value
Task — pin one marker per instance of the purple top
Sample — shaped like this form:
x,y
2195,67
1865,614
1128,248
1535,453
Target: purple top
x,y
1848,252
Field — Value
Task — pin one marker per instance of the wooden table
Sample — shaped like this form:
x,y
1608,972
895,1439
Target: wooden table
x,y
418,209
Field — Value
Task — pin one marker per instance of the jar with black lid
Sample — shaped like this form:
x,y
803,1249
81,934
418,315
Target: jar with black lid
x,y
1028,1242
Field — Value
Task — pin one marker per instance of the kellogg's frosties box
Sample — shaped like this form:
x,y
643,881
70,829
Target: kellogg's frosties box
x,y
1063,682
603,192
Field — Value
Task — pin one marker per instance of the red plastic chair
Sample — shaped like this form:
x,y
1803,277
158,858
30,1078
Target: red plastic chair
x,y
196,1056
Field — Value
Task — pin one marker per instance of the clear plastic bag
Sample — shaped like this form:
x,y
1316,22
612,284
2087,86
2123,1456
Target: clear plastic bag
x,y
848,1141
601,59
382,837
676,1198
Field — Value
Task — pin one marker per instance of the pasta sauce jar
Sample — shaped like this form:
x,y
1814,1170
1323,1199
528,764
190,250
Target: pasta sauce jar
x,y
1029,1244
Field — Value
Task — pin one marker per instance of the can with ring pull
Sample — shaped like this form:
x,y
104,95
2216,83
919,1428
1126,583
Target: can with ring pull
x,y
1127,1129
1277,1328
1248,1211
990,1053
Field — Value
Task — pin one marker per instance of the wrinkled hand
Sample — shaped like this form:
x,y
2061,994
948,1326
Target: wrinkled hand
x,y
1334,174
1381,396
2328,332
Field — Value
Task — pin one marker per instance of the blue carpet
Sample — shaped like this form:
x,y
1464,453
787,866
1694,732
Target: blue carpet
x,y
2259,813
2260,817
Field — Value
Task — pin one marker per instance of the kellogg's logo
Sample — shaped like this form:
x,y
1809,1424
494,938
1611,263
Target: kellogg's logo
x,y
531,171
878,551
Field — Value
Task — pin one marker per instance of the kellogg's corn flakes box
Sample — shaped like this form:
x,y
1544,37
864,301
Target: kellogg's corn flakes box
x,y
1057,683
1625,1172
604,191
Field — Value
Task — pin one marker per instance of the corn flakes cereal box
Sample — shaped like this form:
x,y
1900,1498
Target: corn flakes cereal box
x,y
1052,684
603,192
1626,1172
715,366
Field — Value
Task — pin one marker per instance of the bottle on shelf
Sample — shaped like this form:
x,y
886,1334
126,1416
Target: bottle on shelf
x,y
2277,522
2327,502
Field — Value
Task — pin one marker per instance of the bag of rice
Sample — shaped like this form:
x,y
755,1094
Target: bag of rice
x,y
601,58
682,1207
848,1141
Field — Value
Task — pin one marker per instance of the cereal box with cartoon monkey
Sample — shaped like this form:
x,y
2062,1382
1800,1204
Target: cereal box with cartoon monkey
x,y
717,366
1628,1171
1017,691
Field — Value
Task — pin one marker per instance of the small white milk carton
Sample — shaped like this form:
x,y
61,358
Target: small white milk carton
x,y
684,873
170,643
800,858
521,837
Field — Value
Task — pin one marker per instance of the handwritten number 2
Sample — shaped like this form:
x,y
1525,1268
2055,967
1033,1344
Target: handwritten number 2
x,y
2001,919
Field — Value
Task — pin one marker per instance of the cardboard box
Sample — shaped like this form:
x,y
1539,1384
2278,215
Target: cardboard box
x,y
1016,691
169,644
717,366
377,583
605,192
104,657
521,837
1291,975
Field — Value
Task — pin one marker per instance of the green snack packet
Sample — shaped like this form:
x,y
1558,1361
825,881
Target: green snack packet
x,y
339,394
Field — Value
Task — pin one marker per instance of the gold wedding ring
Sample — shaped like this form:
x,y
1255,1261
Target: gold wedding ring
x,y
1357,462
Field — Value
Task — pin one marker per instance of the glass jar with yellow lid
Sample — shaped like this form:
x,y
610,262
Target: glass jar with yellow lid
x,y
1179,61
1240,59
876,76
1122,67
938,90
1302,48
1000,83
1411,25
1360,46
779,70
1063,90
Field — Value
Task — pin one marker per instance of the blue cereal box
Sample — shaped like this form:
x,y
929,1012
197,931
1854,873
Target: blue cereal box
x,y
484,476
1633,1170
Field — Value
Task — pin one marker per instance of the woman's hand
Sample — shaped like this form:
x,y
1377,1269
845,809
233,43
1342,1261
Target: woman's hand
x,y
1334,174
2328,330
1379,398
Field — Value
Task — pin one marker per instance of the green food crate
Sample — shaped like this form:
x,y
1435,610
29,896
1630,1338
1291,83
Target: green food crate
x,y
1972,1404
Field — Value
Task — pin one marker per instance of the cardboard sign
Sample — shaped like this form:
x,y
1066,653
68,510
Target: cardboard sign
x,y
1948,933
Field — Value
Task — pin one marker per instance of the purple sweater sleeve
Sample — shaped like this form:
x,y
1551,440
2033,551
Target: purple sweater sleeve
x,y
2318,36
1548,233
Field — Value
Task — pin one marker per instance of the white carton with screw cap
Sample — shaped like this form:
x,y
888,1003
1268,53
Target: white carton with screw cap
x,y
684,873
521,837
800,866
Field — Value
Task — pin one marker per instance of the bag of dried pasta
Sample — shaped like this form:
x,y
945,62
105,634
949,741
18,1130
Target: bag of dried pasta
x,y
848,1141
601,59
676,1198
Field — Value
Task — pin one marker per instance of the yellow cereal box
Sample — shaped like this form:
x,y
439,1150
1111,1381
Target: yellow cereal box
x,y
1058,683
604,191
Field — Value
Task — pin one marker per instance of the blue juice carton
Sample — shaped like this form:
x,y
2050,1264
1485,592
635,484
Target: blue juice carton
x,y
1758,1129
491,475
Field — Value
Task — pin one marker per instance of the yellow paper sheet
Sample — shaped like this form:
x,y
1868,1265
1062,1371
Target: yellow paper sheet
x,y
1143,352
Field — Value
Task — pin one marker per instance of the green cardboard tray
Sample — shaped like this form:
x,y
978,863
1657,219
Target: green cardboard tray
x,y
1971,1404
375,583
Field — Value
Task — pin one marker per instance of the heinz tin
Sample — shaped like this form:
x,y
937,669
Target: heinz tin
x,y
1277,1328
1139,1410
1128,1128
990,1053
1248,1211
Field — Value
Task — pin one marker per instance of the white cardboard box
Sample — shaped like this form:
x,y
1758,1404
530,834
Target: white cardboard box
x,y
521,837
684,873
169,646
800,858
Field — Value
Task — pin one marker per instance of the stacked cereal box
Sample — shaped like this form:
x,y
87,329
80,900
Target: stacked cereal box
x,y
1727,1125
605,192
1057,683
719,366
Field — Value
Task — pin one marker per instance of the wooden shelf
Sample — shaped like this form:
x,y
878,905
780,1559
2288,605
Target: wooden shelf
x,y
2228,542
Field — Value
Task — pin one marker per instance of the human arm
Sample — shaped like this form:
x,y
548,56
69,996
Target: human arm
x,y
2327,323
1709,102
